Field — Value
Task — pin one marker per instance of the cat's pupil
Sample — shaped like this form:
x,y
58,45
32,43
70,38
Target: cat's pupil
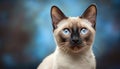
x,y
84,31
66,31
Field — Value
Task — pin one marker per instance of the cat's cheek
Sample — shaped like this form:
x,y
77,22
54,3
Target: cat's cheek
x,y
63,38
89,41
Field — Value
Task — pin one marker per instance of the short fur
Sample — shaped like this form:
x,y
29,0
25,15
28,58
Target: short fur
x,y
68,55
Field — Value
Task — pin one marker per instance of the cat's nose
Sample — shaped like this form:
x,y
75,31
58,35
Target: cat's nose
x,y
76,41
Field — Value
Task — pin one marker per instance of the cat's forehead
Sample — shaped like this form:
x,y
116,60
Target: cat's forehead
x,y
74,21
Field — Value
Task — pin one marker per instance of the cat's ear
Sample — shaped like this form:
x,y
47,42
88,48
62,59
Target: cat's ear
x,y
57,15
90,14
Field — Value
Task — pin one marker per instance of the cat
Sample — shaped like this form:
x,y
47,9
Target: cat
x,y
74,38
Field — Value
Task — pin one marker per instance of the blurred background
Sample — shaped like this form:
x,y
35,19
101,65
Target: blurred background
x,y
26,32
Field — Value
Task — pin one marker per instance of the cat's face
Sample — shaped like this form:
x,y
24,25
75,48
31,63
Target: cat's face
x,y
74,34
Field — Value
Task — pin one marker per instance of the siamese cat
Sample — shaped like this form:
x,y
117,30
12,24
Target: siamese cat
x,y
74,38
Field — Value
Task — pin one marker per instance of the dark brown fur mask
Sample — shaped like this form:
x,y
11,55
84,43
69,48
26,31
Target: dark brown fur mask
x,y
74,34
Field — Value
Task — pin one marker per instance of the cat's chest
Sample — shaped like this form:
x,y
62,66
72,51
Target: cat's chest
x,y
66,62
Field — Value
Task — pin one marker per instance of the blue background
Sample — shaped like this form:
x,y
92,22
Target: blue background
x,y
26,35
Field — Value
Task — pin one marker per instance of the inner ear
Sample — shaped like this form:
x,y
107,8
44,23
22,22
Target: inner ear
x,y
90,14
57,15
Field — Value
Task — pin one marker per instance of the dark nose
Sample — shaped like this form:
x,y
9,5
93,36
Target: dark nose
x,y
76,40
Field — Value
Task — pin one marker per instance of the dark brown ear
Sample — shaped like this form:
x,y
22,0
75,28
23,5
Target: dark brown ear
x,y
56,15
90,14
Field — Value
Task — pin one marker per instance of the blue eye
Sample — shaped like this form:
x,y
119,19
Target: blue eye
x,y
84,31
66,32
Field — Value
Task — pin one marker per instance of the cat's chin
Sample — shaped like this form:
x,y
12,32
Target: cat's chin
x,y
76,49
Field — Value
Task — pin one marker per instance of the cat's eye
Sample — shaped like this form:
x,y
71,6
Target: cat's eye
x,y
84,31
66,31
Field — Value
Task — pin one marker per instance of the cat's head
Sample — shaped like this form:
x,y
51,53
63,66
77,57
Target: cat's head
x,y
74,34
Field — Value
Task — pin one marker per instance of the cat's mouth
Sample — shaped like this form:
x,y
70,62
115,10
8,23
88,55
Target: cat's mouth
x,y
76,49
73,48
